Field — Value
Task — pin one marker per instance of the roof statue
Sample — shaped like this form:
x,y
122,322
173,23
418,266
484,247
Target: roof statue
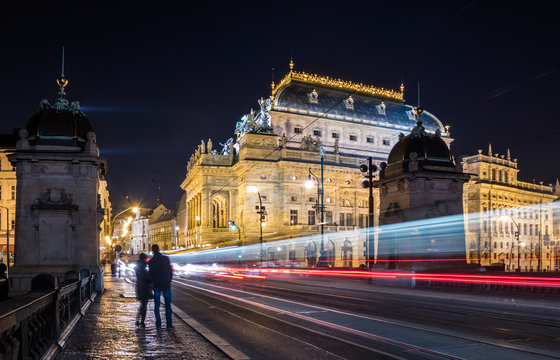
x,y
259,123
227,148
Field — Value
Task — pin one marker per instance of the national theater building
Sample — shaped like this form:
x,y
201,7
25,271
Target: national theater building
x,y
311,118
273,152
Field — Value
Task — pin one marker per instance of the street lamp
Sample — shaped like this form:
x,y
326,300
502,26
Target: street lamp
x,y
233,226
368,171
7,239
319,206
519,244
197,219
261,211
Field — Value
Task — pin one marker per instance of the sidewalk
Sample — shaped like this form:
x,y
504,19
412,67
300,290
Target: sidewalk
x,y
109,331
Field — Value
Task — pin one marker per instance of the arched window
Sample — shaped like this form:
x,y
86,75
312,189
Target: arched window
x,y
347,254
219,212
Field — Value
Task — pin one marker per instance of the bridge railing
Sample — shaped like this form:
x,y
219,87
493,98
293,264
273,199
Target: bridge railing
x,y
38,324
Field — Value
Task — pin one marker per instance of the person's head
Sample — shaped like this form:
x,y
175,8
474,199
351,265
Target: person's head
x,y
155,248
142,256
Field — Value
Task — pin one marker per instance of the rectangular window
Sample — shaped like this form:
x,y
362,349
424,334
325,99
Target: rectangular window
x,y
531,229
311,199
335,135
348,219
386,142
341,218
292,255
328,217
369,140
361,221
13,224
13,192
293,198
293,217
353,138
297,130
311,217
0,192
317,133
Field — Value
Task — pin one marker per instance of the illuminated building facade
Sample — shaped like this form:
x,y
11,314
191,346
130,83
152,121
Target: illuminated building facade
x,y
8,185
508,206
273,152
162,228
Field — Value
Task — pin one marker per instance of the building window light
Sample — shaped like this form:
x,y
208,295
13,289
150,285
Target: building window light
x,y
381,108
386,142
293,177
317,133
335,135
369,139
353,138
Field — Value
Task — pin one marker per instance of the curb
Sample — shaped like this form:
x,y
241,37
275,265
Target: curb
x,y
212,337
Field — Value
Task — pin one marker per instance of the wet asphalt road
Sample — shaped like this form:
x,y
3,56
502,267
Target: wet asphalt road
x,y
365,324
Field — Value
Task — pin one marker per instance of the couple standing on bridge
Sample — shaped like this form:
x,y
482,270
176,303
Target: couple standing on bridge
x,y
156,274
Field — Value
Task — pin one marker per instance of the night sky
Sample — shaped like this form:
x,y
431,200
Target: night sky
x,y
155,78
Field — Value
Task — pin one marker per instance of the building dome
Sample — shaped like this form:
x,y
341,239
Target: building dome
x,y
421,146
61,124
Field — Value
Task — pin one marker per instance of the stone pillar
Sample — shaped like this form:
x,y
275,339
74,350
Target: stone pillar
x,y
58,211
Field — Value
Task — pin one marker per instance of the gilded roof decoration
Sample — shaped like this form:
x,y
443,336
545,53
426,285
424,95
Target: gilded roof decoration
x,y
340,85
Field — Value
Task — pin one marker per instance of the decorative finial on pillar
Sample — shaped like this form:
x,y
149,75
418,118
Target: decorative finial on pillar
x,y
62,82
272,84
508,156
402,84
557,188
291,64
419,110
489,149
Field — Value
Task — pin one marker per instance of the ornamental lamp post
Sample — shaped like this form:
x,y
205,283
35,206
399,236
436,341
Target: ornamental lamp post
x,y
367,182
319,204
261,211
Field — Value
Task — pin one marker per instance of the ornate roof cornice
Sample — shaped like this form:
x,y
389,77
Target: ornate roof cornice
x,y
338,84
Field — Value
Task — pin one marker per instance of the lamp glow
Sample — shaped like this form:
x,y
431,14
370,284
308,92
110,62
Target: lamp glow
x,y
252,189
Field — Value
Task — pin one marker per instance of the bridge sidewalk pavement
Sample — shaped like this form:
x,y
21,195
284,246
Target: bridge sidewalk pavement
x,y
109,331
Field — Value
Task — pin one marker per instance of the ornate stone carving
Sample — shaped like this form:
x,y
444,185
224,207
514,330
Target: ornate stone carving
x,y
227,148
439,208
56,199
309,144
259,123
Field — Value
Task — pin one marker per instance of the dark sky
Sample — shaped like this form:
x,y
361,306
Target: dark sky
x,y
156,77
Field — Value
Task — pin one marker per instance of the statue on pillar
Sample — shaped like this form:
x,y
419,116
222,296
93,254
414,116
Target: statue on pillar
x,y
209,146
202,147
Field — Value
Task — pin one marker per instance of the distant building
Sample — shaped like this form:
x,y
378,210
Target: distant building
x,y
8,185
507,206
162,228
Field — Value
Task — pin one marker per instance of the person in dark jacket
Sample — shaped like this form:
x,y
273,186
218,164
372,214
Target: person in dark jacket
x,y
161,274
143,288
